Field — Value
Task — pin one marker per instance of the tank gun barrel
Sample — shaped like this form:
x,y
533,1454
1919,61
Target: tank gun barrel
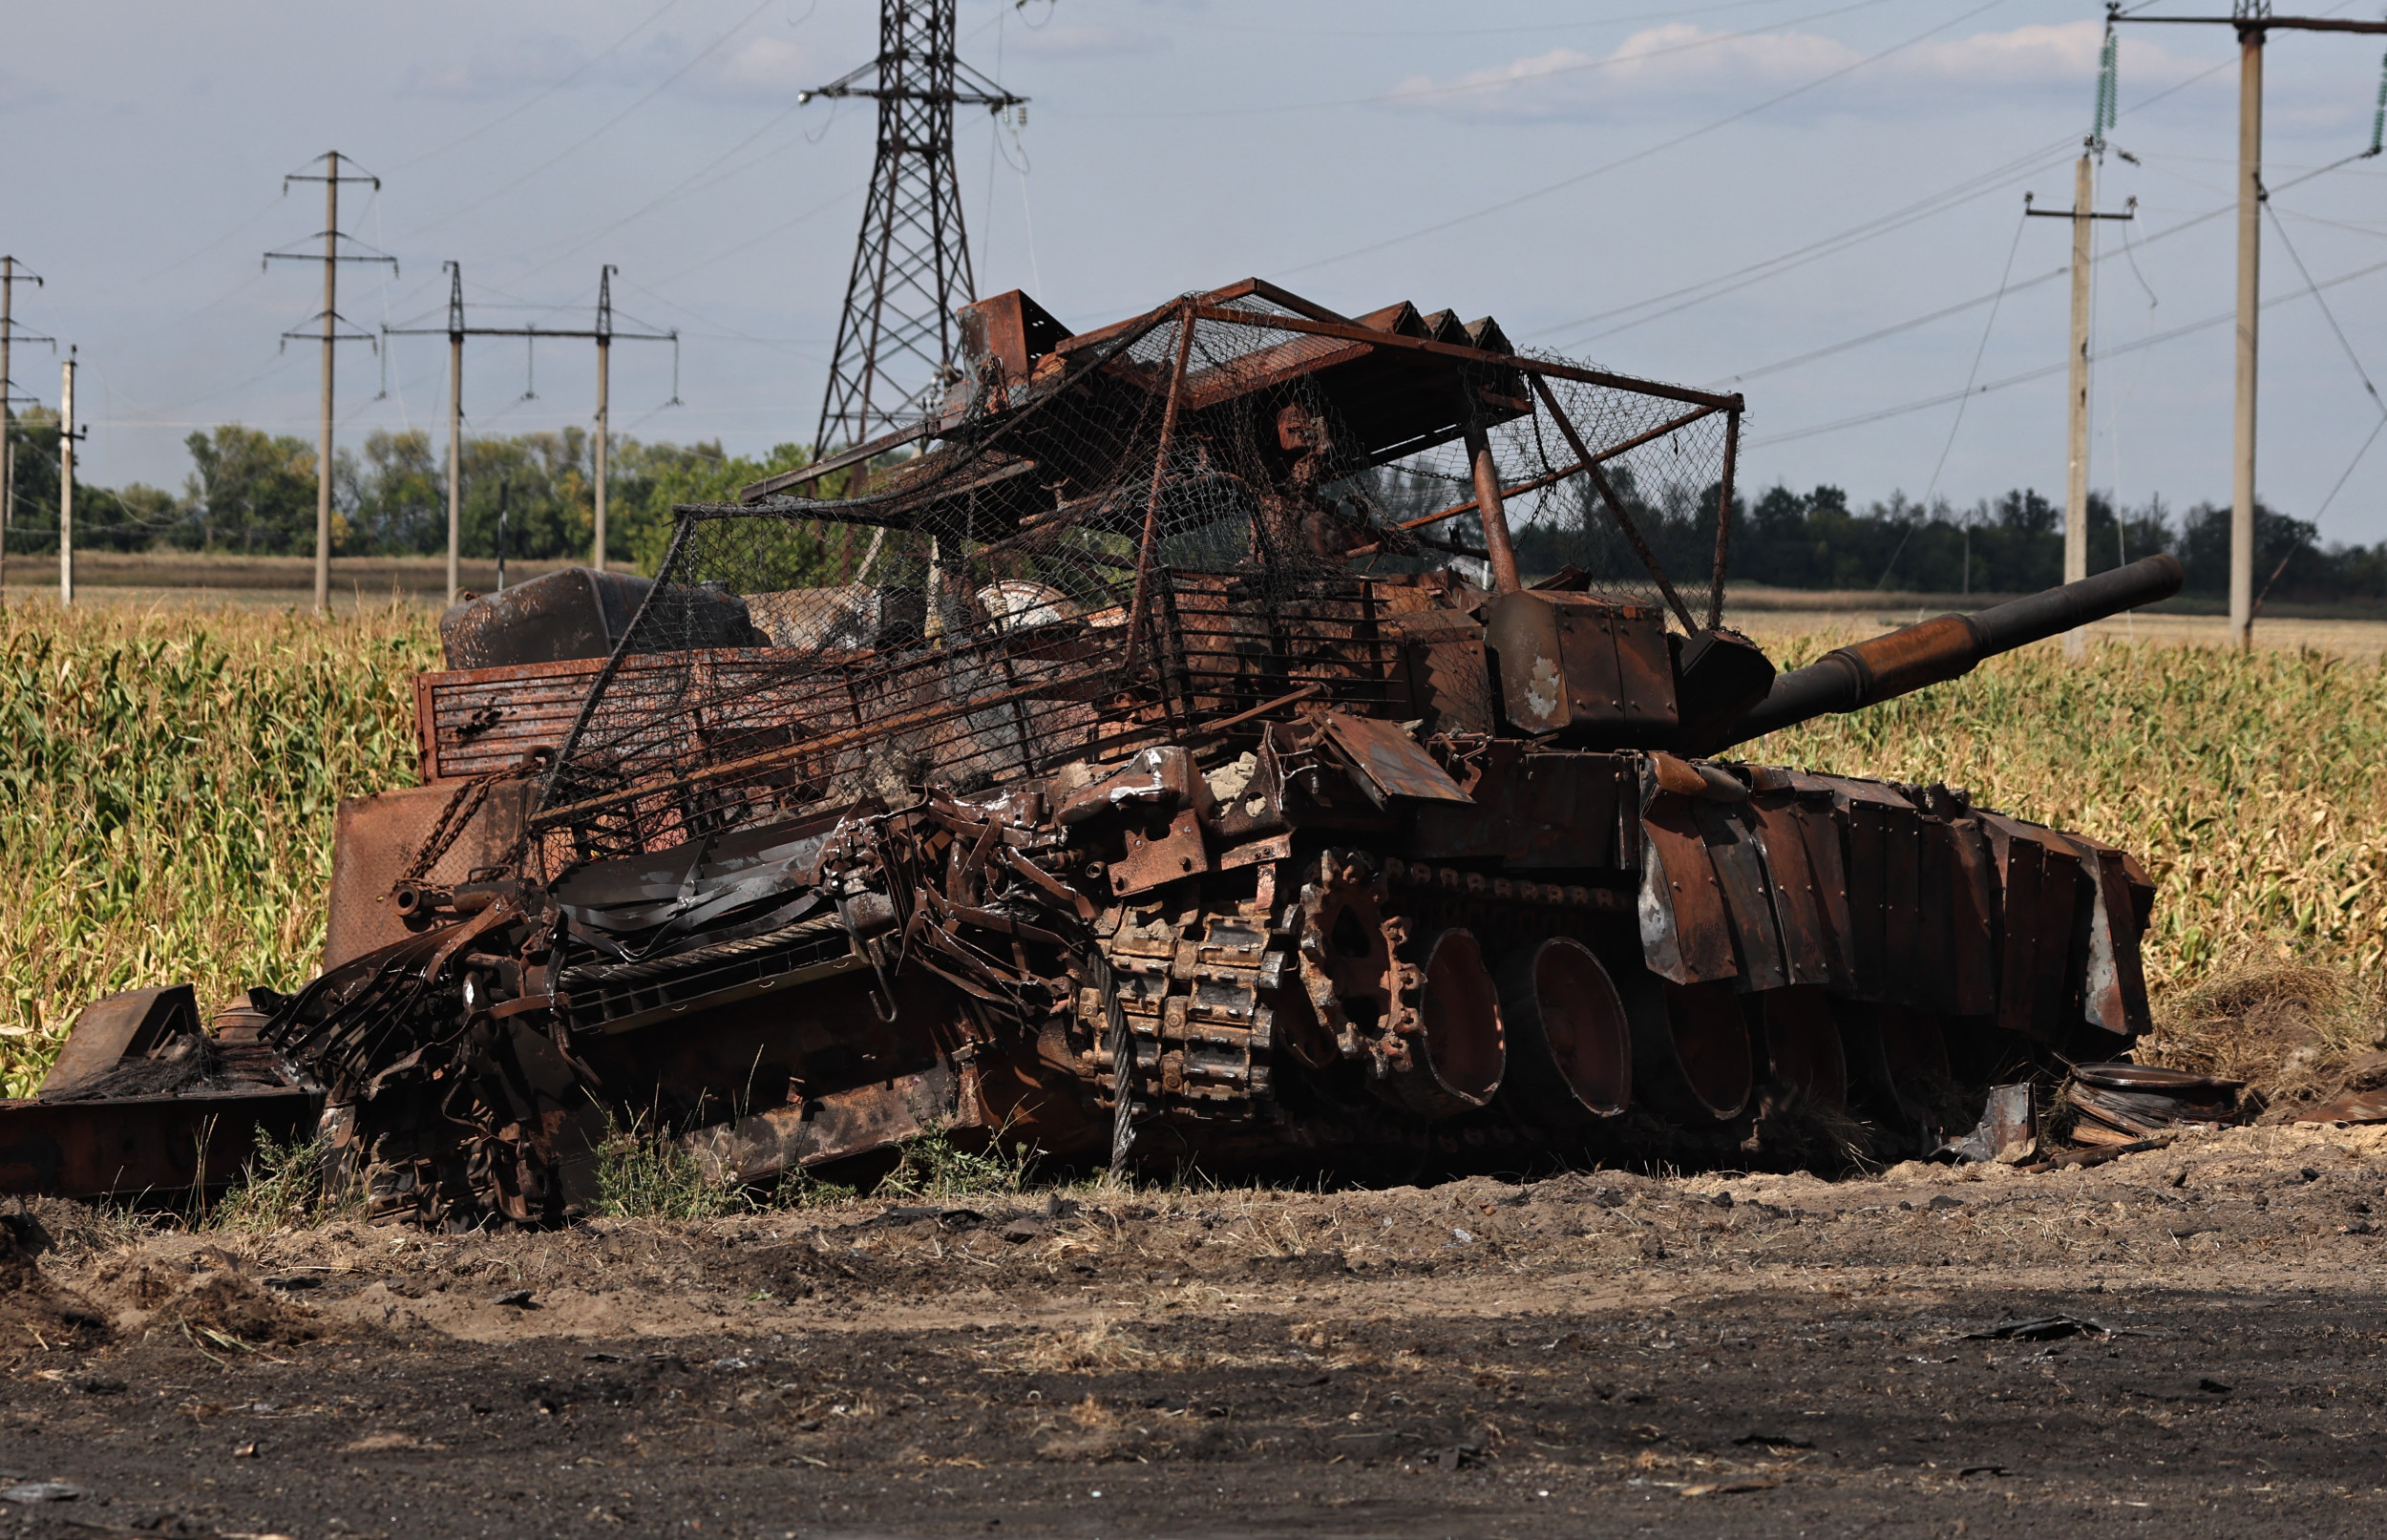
x,y
1948,646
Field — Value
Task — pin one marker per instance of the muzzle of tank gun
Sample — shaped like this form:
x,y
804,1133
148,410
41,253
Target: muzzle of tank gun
x,y
1948,646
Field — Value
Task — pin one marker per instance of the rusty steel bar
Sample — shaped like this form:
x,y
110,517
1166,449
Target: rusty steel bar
x,y
1615,505
1500,552
1536,367
1139,604
1724,519
1553,478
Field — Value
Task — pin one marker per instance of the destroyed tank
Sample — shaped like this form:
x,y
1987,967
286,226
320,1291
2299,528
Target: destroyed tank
x,y
1117,763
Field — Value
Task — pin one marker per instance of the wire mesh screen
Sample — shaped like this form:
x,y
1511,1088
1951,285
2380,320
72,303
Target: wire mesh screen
x,y
1660,463
1183,523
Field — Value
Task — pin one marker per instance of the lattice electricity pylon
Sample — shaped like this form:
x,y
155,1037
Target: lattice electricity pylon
x,y
896,338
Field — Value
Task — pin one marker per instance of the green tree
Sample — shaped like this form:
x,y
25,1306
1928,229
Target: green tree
x,y
249,491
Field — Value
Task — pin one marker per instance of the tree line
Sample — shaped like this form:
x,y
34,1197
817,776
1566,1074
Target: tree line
x,y
253,493
2009,544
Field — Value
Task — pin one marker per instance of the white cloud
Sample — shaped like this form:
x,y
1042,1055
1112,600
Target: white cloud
x,y
1684,62
769,67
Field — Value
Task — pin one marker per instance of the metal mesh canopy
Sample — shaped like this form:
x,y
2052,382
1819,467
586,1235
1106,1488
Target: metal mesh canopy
x,y
1166,529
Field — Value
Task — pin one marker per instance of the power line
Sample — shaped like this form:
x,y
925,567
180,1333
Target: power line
x,y
1707,289
2359,372
1497,32
2041,373
1881,333
692,183
589,138
1638,155
1830,246
604,333
517,111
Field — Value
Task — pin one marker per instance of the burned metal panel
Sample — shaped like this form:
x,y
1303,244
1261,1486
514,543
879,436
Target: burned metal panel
x,y
1686,933
1865,865
1810,948
1536,812
374,838
1572,667
835,1124
1972,911
1906,978
1566,809
1153,859
2056,987
1739,859
1827,857
2021,868
2114,985
1935,881
1389,762
121,1027
470,722
1451,685
123,1147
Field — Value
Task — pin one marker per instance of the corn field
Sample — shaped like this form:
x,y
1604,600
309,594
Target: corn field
x,y
167,781
168,778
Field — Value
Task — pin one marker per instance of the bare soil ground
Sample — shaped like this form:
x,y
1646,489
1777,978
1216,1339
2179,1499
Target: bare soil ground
x,y
1595,1353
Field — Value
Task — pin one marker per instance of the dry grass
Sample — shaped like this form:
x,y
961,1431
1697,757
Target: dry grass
x,y
2289,1030
1100,1347
167,780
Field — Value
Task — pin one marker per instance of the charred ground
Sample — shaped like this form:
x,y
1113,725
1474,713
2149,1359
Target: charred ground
x,y
1593,1351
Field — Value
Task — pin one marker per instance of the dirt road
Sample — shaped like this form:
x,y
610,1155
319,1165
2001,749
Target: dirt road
x,y
2188,1343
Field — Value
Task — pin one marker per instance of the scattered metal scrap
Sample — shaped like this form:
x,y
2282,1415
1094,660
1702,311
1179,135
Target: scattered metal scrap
x,y
1107,766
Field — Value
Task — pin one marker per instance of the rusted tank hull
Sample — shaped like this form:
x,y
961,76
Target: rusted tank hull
x,y
1064,782
1295,982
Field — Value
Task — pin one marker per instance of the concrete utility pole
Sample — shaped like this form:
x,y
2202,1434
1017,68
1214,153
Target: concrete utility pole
x,y
605,355
2254,23
11,275
604,333
2077,457
2249,323
456,422
331,259
66,482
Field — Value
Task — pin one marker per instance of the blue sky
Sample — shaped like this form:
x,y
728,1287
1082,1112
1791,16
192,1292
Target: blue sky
x,y
1731,193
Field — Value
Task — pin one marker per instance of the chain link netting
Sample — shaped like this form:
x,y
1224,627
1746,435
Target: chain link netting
x,y
1191,517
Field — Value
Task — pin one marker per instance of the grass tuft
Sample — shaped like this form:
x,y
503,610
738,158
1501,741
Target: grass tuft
x,y
641,1175
935,1167
281,1187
